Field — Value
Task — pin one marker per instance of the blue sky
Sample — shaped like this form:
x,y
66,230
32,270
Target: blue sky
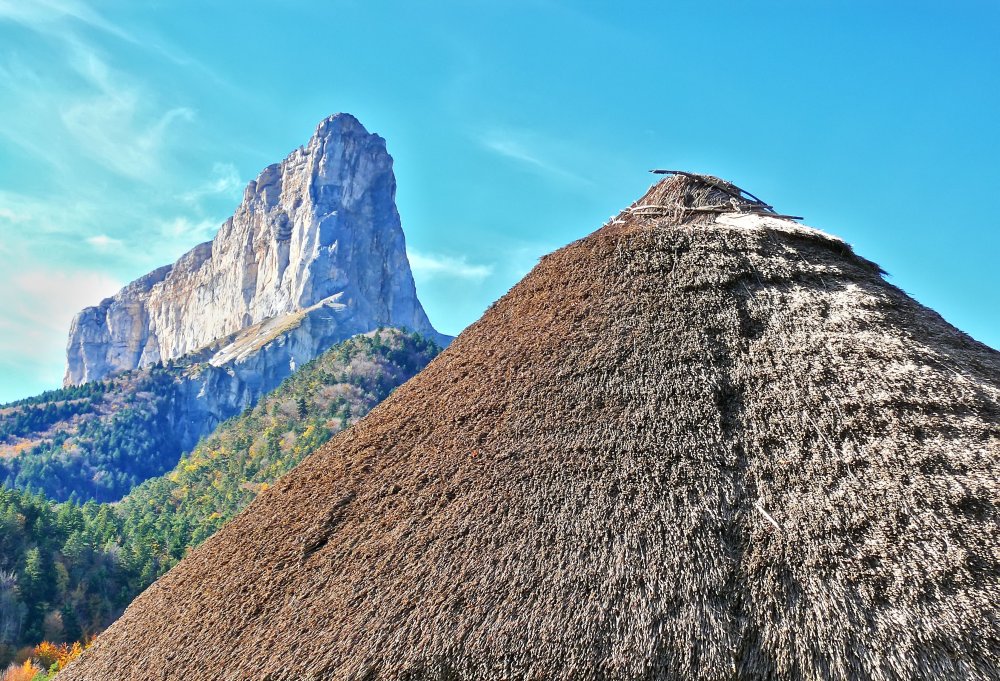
x,y
128,129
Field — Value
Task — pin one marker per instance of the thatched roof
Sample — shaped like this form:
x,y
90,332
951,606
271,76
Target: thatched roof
x,y
689,446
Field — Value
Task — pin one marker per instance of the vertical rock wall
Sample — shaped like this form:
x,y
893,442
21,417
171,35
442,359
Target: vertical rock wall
x,y
318,229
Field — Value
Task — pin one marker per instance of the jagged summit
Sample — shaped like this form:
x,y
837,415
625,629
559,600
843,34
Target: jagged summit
x,y
337,123
723,449
318,231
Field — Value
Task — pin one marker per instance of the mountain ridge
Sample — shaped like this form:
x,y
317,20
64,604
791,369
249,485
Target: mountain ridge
x,y
314,254
110,552
318,228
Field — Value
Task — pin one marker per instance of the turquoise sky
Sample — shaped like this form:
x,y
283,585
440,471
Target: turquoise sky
x,y
128,129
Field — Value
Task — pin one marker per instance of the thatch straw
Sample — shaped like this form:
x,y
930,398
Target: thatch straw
x,y
715,448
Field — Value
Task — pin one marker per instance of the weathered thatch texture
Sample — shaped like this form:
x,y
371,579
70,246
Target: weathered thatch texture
x,y
706,449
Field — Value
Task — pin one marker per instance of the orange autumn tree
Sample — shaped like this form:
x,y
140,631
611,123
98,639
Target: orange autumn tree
x,y
46,659
48,653
22,672
51,654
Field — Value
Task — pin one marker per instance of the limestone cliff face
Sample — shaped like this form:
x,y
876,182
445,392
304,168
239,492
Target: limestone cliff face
x,y
318,232
232,374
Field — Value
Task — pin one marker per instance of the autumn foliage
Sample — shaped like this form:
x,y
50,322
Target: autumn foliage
x,y
49,654
21,672
46,660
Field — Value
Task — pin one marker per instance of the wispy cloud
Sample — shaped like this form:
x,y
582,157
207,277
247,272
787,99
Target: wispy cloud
x,y
428,266
112,172
113,124
7,215
524,148
188,231
61,19
39,215
48,16
83,105
103,242
224,181
40,305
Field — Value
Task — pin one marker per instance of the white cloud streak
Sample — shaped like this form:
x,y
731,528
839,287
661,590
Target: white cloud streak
x,y
112,125
60,19
429,266
37,215
188,231
40,305
49,16
87,107
514,146
7,215
225,181
103,242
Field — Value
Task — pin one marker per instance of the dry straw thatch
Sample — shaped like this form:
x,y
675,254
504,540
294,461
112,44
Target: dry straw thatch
x,y
692,445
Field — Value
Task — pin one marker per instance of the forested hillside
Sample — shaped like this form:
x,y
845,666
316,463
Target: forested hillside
x,y
94,441
226,471
64,570
67,570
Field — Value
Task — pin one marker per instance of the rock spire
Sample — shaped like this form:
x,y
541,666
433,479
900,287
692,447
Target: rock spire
x,y
317,232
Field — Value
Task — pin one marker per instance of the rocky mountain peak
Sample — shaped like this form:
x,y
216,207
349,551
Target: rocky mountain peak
x,y
318,232
339,124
